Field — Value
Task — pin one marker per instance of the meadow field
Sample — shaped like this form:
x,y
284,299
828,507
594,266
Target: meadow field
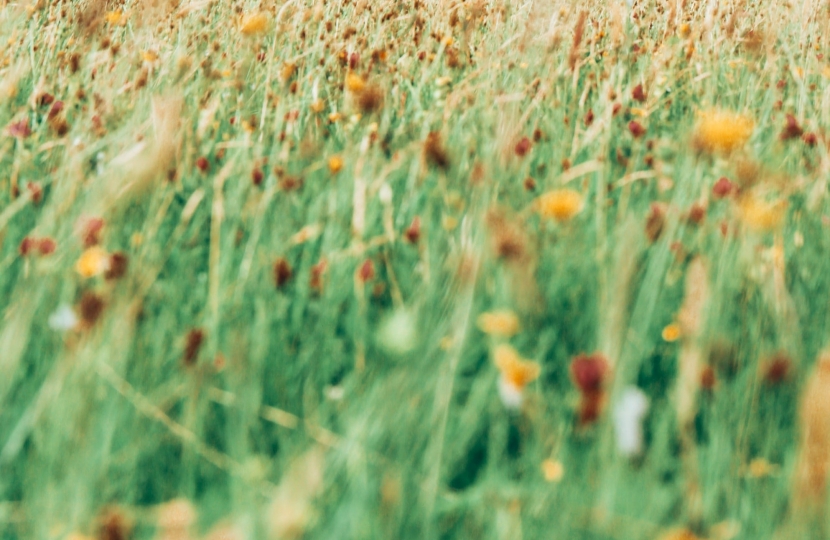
x,y
393,269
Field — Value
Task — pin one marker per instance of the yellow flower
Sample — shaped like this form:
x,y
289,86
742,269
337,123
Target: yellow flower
x,y
449,223
514,369
678,534
722,131
115,17
355,83
761,215
93,262
288,70
759,468
559,204
335,164
552,470
499,323
254,23
672,332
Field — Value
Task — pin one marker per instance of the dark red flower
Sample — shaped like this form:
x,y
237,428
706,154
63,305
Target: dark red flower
x,y
46,246
723,188
792,129
590,407
282,272
91,231
27,245
20,129
193,342
118,266
638,93
55,110
656,221
45,99
523,147
318,271
636,129
589,372
35,191
257,176
777,368
413,232
810,139
697,213
90,308
708,378
589,117
366,271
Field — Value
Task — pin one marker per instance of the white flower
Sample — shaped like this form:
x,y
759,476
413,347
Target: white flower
x,y
385,194
398,334
510,394
629,412
63,319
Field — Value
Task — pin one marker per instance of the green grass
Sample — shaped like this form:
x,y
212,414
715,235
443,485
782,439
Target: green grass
x,y
307,399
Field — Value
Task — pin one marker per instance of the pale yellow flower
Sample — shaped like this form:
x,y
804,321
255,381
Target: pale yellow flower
x,y
678,534
760,468
552,470
760,215
503,323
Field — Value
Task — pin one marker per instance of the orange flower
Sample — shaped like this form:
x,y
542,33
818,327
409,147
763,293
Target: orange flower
x,y
672,332
254,23
722,131
559,204
355,83
761,215
335,164
514,369
93,262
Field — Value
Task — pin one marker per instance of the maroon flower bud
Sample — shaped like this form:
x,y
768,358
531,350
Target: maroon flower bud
x,y
723,188
638,93
636,129
589,372
523,147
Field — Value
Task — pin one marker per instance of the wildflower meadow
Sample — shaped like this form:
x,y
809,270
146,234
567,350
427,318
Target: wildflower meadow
x,y
435,269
